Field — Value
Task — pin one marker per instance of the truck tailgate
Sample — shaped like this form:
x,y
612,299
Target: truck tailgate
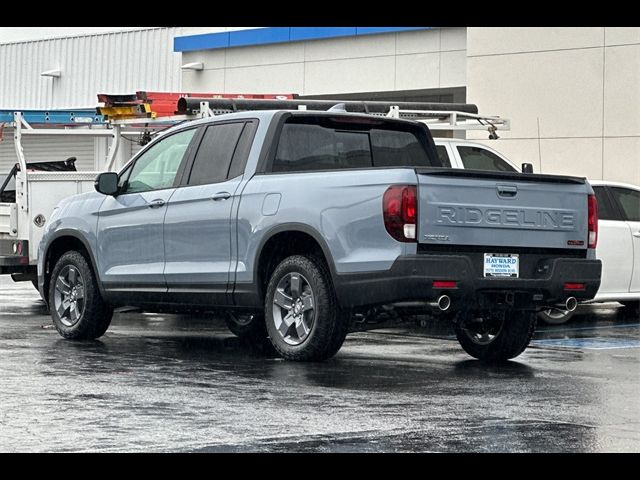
x,y
470,207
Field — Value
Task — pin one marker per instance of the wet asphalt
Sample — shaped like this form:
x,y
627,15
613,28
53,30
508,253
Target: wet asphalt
x,y
183,383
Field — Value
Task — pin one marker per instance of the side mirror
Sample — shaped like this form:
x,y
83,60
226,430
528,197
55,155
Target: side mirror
x,y
527,168
107,183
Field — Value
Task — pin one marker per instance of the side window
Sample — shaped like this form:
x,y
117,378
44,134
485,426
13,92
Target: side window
x,y
123,178
393,148
213,159
476,158
239,161
443,156
157,167
605,209
313,147
629,200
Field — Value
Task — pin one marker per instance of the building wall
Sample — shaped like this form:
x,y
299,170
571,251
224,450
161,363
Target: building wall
x,y
119,62
572,94
422,59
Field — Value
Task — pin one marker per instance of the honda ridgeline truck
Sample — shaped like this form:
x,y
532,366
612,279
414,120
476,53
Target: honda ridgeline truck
x,y
292,222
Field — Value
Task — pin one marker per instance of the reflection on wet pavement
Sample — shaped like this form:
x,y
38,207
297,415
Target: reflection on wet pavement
x,y
184,383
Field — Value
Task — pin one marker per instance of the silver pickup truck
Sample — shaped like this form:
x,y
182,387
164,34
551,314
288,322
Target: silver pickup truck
x,y
292,222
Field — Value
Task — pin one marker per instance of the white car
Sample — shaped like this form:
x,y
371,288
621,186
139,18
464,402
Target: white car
x,y
618,225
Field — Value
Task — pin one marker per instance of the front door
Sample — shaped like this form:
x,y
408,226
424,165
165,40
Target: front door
x,y
130,224
198,224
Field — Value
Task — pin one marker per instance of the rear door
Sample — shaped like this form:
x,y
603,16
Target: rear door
x,y
197,227
615,246
629,202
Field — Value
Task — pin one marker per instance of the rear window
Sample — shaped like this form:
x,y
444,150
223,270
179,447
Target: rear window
x,y
322,144
443,156
605,209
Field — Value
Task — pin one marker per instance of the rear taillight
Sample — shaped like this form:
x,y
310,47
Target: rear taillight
x,y
593,221
400,210
444,284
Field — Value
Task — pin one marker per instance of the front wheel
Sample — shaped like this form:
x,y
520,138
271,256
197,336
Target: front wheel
x,y
303,318
77,308
496,337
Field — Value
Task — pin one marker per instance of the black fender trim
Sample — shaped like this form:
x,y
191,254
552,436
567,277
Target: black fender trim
x,y
249,294
68,232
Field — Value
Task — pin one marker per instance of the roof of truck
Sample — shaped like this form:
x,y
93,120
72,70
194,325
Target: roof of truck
x,y
268,114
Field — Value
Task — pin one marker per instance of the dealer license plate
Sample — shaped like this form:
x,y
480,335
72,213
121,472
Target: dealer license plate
x,y
501,265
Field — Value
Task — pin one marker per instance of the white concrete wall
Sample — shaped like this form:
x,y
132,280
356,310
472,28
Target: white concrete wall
x,y
573,95
384,62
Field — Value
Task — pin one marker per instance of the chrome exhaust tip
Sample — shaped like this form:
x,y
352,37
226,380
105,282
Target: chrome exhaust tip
x,y
443,303
571,304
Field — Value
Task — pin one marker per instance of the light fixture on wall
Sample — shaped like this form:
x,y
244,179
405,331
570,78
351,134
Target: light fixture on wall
x,y
55,73
193,66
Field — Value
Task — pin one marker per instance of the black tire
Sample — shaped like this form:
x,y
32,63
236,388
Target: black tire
x,y
327,323
511,332
631,309
555,316
246,325
95,315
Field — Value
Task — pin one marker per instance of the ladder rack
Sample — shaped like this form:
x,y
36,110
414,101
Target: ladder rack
x,y
437,116
452,120
78,116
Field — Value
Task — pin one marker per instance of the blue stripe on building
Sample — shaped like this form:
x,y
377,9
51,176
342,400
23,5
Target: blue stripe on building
x,y
264,36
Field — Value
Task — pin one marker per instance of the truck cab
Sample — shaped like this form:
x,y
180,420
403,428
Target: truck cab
x,y
456,153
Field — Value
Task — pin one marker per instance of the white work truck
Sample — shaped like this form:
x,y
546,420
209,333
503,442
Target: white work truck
x,y
31,190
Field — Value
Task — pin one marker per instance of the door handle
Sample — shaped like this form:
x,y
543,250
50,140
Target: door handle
x,y
636,234
507,191
157,203
217,197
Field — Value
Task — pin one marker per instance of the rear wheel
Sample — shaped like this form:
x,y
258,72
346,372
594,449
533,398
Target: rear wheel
x,y
555,316
496,337
632,308
77,308
303,318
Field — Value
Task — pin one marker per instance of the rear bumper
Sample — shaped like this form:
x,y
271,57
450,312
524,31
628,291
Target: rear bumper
x,y
410,279
15,264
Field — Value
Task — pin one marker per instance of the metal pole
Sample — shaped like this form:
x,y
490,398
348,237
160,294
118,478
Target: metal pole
x,y
17,140
22,186
113,149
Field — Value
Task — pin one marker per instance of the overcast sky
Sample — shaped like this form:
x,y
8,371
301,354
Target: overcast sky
x,y
18,34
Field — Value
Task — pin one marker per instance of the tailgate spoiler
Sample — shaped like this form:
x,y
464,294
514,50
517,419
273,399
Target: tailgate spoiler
x,y
513,176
